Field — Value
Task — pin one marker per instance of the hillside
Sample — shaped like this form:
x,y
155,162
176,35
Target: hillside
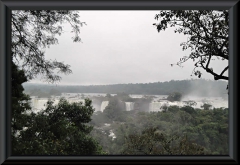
x,y
198,87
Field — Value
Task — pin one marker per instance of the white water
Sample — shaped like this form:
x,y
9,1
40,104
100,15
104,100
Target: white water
x,y
39,104
112,134
83,94
216,102
104,105
155,105
76,100
129,106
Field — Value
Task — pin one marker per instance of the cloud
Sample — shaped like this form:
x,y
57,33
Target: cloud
x,y
121,47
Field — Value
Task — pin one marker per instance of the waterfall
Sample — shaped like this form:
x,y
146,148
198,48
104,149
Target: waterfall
x,y
111,134
75,100
176,103
155,106
39,104
104,105
129,106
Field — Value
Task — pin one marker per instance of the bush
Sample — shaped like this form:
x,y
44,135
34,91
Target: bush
x,y
176,96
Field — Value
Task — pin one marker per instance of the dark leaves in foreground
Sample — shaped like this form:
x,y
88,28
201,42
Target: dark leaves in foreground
x,y
153,142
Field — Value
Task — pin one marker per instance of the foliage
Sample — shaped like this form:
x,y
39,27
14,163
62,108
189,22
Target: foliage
x,y
152,142
208,36
193,128
108,95
206,106
103,138
60,129
124,97
164,108
190,103
189,110
114,110
34,30
199,87
20,103
142,104
176,96
99,119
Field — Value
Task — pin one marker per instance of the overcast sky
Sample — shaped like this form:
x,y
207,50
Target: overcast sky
x,y
122,47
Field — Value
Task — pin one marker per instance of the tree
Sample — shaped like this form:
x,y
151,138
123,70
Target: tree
x,y
190,103
188,109
60,129
20,104
113,111
34,30
206,106
212,129
164,107
152,142
176,96
108,95
208,36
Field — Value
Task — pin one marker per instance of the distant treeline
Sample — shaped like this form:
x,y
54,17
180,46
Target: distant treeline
x,y
199,87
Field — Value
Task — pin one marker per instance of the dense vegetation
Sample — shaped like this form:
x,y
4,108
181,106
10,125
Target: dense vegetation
x,y
176,96
73,128
179,130
198,87
60,129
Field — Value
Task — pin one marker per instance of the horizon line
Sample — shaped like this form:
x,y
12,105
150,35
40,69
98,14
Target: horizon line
x,y
55,84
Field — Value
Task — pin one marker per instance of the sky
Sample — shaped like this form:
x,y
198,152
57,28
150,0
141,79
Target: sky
x,y
121,47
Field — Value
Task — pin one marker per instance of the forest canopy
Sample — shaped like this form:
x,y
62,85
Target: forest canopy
x,y
67,128
199,87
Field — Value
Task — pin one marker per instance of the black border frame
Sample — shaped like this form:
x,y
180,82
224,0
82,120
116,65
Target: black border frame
x,y
5,9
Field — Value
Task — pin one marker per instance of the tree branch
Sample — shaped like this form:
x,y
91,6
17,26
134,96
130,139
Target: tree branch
x,y
216,76
224,70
